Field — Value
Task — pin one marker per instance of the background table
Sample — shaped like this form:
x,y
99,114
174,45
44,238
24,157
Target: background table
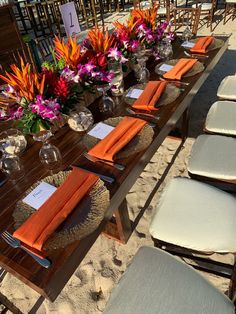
x,y
50,282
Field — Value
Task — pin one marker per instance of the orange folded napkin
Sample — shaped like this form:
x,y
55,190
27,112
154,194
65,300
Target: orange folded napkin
x,y
151,94
117,139
39,226
202,44
183,66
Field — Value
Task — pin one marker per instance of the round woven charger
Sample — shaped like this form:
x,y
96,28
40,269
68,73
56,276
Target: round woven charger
x,y
90,212
141,141
216,44
170,94
197,68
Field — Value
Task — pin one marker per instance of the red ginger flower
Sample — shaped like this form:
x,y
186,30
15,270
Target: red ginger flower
x,y
61,88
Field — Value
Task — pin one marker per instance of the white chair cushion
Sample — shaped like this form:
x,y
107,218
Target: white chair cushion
x,y
161,11
157,283
230,1
214,156
221,118
204,6
227,88
196,216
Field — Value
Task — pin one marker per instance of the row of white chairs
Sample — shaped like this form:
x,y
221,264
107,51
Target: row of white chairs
x,y
192,216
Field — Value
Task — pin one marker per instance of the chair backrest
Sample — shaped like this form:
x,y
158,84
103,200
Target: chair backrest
x,y
186,16
44,46
13,57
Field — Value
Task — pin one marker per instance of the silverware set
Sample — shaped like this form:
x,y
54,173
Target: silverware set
x,y
195,55
15,243
109,163
141,114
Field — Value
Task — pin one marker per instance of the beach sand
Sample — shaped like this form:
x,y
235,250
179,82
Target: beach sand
x,y
89,288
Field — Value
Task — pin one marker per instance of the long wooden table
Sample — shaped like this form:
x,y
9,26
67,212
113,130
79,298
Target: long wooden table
x,y
50,282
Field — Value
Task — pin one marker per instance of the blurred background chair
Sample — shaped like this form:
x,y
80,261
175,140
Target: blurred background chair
x,y
183,17
207,9
230,9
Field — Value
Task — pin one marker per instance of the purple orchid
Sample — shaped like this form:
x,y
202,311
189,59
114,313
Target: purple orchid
x,y
46,109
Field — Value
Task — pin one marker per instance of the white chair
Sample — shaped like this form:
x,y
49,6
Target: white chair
x,y
221,118
227,88
158,283
213,157
196,217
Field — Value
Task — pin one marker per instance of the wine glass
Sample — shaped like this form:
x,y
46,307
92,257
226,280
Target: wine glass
x,y
142,73
107,104
165,49
187,33
49,154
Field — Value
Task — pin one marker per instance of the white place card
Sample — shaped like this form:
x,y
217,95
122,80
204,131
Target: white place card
x,y
39,195
70,19
101,130
134,93
165,67
188,44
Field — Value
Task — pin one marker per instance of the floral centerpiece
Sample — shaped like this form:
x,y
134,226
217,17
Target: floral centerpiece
x,y
142,29
40,99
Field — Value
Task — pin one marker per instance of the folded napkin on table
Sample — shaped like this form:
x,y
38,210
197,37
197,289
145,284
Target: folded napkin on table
x,y
117,138
42,223
183,66
151,94
202,44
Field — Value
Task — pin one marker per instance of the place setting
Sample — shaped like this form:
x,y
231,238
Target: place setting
x,y
111,141
56,211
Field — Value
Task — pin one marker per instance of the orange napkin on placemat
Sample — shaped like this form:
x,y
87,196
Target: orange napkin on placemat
x,y
202,44
151,94
117,139
39,226
183,66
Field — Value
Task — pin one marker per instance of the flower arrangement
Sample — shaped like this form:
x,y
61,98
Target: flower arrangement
x,y
39,100
142,28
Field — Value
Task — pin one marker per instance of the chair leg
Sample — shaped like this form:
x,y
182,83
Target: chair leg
x,y
225,16
232,285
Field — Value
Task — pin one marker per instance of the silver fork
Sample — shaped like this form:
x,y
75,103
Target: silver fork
x,y
141,114
15,243
109,163
195,55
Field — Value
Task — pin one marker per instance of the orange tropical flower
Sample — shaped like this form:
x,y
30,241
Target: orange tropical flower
x,y
149,16
70,51
100,40
128,31
24,81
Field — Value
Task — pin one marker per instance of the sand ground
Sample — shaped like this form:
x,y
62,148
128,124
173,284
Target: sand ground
x,y
89,288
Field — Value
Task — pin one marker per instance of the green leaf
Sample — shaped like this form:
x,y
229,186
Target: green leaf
x,y
35,127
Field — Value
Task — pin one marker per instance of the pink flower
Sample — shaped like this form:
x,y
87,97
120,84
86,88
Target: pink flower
x,y
46,109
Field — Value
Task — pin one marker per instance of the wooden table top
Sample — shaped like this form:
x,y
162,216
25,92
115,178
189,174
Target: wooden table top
x,y
50,282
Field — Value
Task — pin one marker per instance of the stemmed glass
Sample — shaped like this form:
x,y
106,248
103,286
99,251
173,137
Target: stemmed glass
x,y
49,154
107,104
142,72
165,49
187,34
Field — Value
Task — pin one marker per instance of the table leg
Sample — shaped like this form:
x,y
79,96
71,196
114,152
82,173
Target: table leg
x,y
120,229
185,124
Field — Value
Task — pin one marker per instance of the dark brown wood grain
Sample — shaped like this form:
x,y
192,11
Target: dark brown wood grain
x,y
50,282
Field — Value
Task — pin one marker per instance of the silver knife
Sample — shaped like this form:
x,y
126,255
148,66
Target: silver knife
x,y
101,176
109,163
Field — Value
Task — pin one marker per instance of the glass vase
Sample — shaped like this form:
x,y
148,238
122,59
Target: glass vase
x,y
10,162
49,154
117,82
